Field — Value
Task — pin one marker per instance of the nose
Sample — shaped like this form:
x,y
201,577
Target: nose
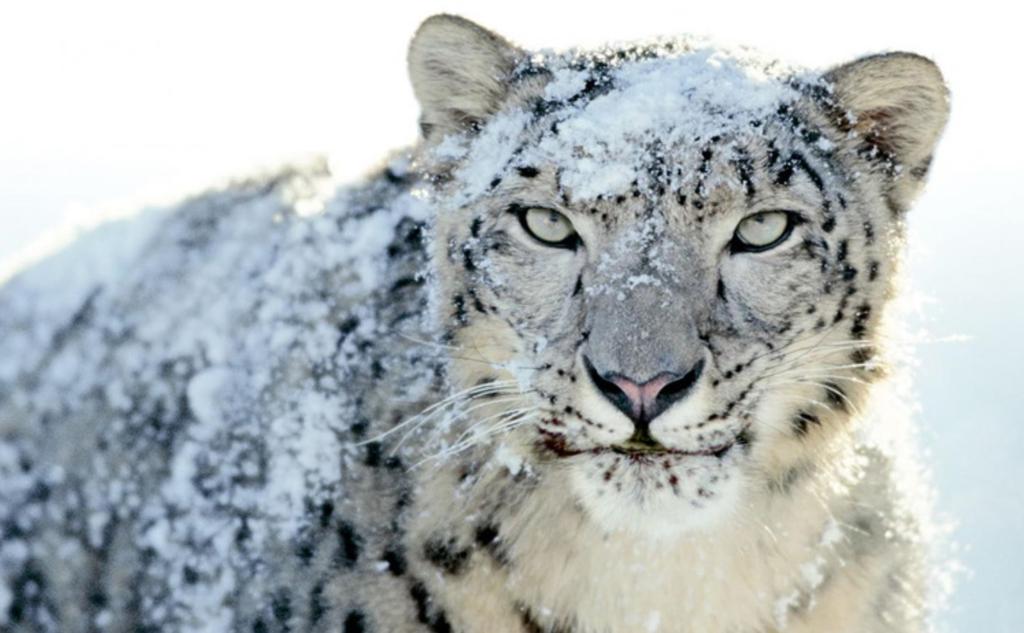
x,y
642,402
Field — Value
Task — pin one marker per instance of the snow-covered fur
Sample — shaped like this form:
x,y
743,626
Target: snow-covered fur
x,y
286,406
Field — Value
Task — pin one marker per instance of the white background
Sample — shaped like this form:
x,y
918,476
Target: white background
x,y
105,105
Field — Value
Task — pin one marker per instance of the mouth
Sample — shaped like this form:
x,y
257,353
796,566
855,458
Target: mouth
x,y
646,449
636,450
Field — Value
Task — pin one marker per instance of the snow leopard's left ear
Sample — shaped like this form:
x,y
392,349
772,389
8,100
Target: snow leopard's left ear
x,y
896,105
460,73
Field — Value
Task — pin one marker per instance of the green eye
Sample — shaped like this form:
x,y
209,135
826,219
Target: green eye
x,y
763,231
548,227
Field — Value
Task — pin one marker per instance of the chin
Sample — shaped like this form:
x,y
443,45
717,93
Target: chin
x,y
658,495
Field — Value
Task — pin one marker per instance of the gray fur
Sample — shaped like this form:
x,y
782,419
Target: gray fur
x,y
246,429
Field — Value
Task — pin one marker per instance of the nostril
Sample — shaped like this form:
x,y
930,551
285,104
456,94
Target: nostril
x,y
676,390
613,392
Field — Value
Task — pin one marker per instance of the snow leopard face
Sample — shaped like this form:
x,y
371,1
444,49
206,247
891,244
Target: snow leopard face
x,y
666,265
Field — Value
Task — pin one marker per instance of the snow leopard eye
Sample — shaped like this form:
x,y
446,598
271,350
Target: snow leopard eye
x,y
548,226
762,231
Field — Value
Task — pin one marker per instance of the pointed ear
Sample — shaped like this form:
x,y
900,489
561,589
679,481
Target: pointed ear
x,y
459,73
897,105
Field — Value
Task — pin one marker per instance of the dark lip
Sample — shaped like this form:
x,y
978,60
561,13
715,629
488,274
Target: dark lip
x,y
637,451
657,450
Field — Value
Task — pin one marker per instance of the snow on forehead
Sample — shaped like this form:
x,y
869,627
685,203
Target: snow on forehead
x,y
603,144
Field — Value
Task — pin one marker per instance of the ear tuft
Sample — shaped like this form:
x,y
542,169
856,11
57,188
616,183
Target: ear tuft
x,y
897,104
459,73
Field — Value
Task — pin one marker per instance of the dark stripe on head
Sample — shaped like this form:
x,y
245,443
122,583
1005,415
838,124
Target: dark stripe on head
x,y
745,171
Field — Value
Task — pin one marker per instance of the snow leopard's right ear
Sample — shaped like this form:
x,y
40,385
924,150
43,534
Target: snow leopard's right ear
x,y
460,73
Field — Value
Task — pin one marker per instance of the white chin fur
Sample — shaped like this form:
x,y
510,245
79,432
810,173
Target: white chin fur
x,y
657,501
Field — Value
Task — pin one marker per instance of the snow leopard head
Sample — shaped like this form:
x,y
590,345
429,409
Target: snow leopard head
x,y
666,264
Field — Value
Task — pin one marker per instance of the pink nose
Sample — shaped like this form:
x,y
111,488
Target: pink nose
x,y
643,396
642,402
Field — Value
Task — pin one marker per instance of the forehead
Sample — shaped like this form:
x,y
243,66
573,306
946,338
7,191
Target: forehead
x,y
612,121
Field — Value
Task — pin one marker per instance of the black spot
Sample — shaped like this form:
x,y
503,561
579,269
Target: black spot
x,y
495,183
425,612
803,421
474,227
861,355
828,224
477,304
836,396
190,575
869,232
29,599
467,259
304,550
528,171
841,252
244,532
98,598
873,271
317,607
445,555
374,452
529,624
785,174
359,427
860,320
326,512
721,290
259,626
486,534
406,281
459,302
395,558
281,606
347,326
355,622
349,545
745,172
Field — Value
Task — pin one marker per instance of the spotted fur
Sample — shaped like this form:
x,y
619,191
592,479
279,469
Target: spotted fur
x,y
254,428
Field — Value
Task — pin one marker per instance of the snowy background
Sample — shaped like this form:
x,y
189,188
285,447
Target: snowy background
x,y
109,105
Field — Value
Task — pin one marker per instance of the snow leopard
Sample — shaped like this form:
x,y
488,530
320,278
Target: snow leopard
x,y
598,354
